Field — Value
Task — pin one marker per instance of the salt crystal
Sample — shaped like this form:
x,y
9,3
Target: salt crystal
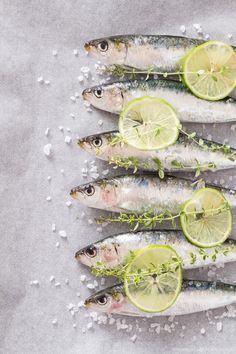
x,y
89,110
55,322
78,294
100,122
72,98
57,245
219,326
75,52
49,178
69,203
230,35
83,277
80,304
80,78
47,150
90,325
62,171
40,79
54,53
67,281
69,130
72,115
70,306
57,285
61,128
53,227
47,82
68,139
35,282
182,29
62,233
95,175
90,286
133,338
203,331
90,221
47,131
52,278
85,69
49,198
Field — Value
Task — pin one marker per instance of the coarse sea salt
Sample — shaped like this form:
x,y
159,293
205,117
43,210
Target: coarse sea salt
x,y
68,140
47,150
62,233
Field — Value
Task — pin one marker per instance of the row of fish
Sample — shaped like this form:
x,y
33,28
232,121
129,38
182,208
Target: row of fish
x,y
138,194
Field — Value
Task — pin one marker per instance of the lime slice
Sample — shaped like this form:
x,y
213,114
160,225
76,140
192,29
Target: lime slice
x,y
209,70
207,218
160,278
149,123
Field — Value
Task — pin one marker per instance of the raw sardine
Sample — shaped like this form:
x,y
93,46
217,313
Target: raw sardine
x,y
113,251
133,193
184,155
113,98
196,296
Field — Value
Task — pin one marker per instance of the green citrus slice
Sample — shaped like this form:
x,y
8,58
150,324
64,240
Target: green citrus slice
x,y
153,279
209,70
207,218
149,123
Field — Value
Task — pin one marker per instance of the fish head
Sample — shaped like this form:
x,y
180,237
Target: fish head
x,y
109,300
98,145
105,252
101,193
108,97
111,50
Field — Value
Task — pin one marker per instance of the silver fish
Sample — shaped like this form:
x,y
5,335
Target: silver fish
x,y
142,51
113,251
113,98
184,155
196,296
133,193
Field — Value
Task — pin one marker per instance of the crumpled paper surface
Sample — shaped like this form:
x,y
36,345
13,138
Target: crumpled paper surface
x,y
30,31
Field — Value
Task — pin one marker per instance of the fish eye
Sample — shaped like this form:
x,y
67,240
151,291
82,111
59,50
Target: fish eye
x,y
98,93
97,141
101,300
103,46
91,251
89,190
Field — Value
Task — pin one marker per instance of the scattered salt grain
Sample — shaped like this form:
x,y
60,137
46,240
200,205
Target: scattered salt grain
x,y
75,52
182,29
53,227
83,330
89,325
85,69
100,122
47,82
83,277
219,326
52,278
80,304
69,203
67,281
230,35
62,233
72,98
207,37
57,245
55,322
61,128
47,131
80,78
133,338
78,294
72,115
49,178
90,286
89,110
34,282
49,198
70,307
68,139
40,79
57,285
54,53
90,221
74,325
47,150
62,171
203,331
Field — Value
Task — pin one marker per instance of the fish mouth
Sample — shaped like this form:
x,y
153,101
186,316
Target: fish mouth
x,y
88,302
87,46
81,142
74,192
79,254
86,92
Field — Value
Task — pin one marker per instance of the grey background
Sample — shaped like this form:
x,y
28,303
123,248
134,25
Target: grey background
x,y
29,31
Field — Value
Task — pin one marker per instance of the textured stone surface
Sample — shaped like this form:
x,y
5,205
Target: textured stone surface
x,y
30,31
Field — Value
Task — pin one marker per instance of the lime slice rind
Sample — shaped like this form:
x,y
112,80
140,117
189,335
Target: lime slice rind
x,y
154,294
206,221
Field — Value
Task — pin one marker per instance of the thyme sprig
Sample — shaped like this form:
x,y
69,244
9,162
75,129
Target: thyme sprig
x,y
150,219
120,272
